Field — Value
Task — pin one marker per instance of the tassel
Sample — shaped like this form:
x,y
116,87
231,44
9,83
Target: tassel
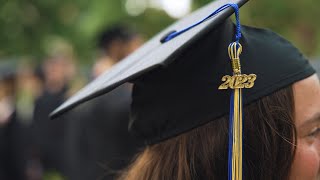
x,y
235,127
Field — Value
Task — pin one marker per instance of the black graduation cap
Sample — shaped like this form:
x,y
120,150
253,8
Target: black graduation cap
x,y
176,82
152,54
265,54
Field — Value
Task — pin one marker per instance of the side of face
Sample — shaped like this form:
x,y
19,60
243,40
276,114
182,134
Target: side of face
x,y
307,120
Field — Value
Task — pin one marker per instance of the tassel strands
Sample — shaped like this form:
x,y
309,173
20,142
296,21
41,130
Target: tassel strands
x,y
235,135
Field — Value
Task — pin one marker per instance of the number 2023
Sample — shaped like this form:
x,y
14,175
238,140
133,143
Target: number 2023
x,y
238,81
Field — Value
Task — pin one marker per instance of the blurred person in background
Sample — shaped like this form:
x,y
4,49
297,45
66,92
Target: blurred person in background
x,y
29,82
29,87
48,136
12,157
118,42
98,143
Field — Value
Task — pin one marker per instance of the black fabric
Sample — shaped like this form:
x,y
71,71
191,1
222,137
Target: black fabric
x,y
184,95
49,136
98,142
12,150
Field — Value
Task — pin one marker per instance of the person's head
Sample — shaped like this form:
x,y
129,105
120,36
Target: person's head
x,y
185,120
8,74
282,141
7,86
306,163
57,71
118,41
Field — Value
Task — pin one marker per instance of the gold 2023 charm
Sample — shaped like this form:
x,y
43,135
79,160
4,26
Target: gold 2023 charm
x,y
238,81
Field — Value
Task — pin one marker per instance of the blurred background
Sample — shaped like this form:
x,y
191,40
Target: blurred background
x,y
33,29
49,49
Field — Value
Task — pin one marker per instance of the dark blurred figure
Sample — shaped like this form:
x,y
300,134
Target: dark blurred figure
x,y
99,142
12,159
118,42
48,136
29,83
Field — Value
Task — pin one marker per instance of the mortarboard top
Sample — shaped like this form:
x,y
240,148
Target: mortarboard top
x,y
176,82
151,55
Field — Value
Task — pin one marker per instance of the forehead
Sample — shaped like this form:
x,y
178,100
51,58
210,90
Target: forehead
x,y
306,99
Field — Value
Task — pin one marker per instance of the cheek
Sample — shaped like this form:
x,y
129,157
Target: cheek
x,y
306,162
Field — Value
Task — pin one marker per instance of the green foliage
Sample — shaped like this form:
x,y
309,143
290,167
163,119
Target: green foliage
x,y
35,28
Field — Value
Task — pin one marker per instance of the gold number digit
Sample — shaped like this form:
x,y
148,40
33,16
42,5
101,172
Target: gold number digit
x,y
251,80
244,80
226,80
237,81
240,81
232,82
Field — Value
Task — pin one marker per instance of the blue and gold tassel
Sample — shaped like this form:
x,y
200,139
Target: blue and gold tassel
x,y
236,82
235,147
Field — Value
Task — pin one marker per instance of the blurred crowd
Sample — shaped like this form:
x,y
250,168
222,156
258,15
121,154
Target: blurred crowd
x,y
89,142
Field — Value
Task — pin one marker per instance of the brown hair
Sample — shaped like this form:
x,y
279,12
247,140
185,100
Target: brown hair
x,y
202,153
